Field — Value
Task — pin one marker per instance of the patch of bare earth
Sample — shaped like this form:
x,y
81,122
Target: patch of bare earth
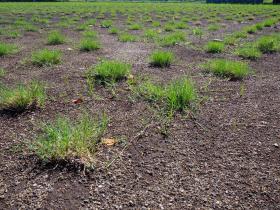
x,y
224,157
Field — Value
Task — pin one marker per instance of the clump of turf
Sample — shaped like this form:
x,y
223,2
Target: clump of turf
x,y
88,45
125,37
7,49
214,47
172,39
161,59
22,97
227,68
269,43
70,140
55,38
176,96
109,71
46,57
249,52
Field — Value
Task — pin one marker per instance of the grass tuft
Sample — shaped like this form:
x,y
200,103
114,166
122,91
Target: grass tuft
x,y
125,37
2,72
161,59
214,47
269,44
109,71
172,39
227,68
22,97
55,38
88,45
249,52
7,49
70,140
176,96
46,57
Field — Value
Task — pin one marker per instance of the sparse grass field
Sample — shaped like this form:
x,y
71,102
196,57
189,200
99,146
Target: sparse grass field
x,y
139,106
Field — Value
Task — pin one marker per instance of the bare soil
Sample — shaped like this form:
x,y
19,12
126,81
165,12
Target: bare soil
x,y
225,155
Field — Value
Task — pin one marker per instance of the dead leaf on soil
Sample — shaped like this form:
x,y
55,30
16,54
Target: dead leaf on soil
x,y
77,101
109,141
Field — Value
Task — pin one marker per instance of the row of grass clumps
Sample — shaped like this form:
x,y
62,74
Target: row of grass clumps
x,y
264,45
90,41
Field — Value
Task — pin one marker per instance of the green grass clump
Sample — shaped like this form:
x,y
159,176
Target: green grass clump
x,y
268,44
69,140
172,39
125,37
231,40
227,68
259,26
55,38
176,96
2,72
22,97
88,45
251,29
214,47
240,35
135,26
161,59
7,49
109,71
46,57
150,34
180,25
249,52
156,24
269,22
213,27
106,24
82,27
114,30
197,32
180,93
169,27
89,34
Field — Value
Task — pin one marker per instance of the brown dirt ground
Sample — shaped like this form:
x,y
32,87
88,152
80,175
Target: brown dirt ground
x,y
222,158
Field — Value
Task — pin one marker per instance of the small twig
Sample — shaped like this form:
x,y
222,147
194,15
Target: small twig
x,y
136,137
209,91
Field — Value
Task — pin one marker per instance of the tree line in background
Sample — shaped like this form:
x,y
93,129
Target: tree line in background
x,y
208,1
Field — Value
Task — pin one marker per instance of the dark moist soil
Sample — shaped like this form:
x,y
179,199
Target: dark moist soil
x,y
222,156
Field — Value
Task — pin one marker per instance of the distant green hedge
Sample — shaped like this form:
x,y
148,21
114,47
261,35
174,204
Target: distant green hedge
x,y
30,0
